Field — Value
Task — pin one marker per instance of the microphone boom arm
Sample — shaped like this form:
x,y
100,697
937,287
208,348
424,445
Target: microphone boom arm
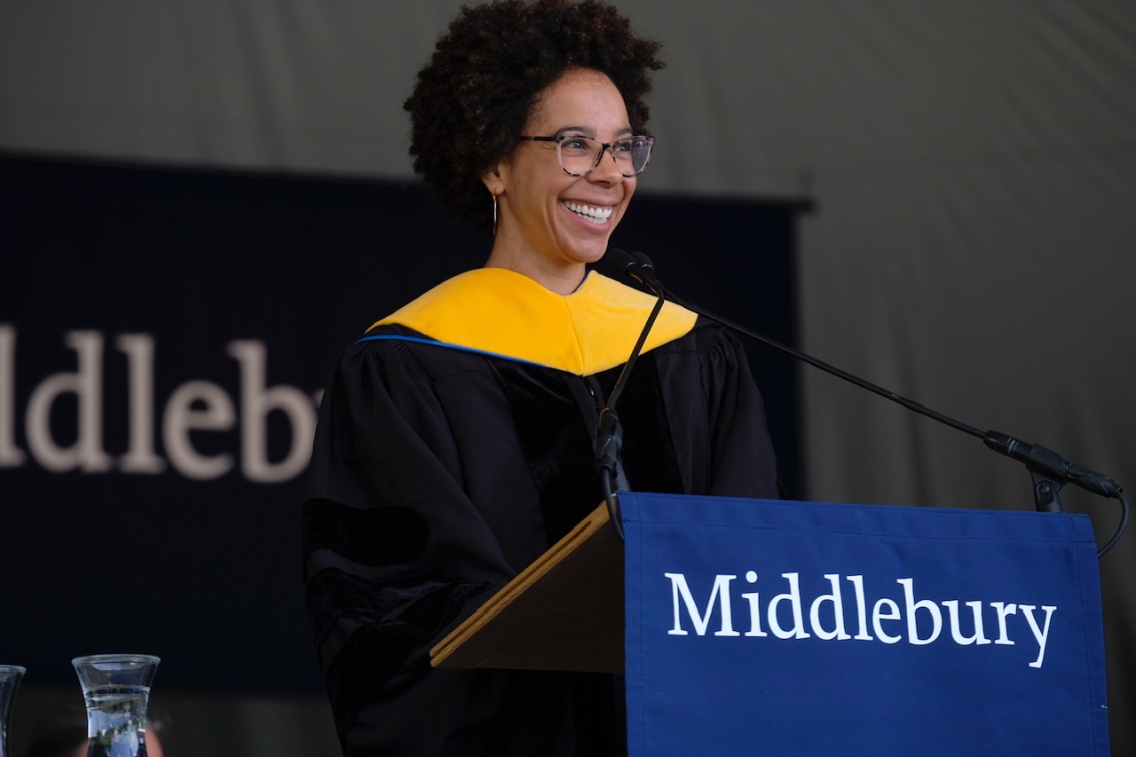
x,y
1048,470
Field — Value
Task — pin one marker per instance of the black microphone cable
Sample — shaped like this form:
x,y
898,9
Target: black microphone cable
x,y
609,432
1047,468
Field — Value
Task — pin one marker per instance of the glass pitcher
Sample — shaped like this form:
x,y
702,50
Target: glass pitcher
x,y
116,688
10,677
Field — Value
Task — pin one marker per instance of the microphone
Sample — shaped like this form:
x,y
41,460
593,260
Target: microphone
x,y
634,265
1046,461
1047,468
609,433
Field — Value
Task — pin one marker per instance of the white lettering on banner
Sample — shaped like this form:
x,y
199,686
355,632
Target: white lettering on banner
x,y
793,596
195,406
754,607
1003,610
217,414
952,606
1042,636
86,383
140,457
861,608
877,616
11,456
256,403
827,622
838,631
912,607
721,592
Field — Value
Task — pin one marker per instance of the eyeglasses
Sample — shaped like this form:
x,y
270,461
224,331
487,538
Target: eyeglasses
x,y
579,154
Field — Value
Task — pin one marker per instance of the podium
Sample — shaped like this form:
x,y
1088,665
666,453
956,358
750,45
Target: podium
x,y
563,612
795,628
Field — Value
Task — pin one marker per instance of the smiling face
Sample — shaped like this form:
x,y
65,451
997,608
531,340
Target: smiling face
x,y
550,224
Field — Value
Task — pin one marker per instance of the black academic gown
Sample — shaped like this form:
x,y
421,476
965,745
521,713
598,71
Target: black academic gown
x,y
439,473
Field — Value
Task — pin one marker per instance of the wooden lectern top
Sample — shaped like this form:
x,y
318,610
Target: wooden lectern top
x,y
563,612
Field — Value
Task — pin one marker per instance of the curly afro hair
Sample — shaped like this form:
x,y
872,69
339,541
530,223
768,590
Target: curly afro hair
x,y
473,98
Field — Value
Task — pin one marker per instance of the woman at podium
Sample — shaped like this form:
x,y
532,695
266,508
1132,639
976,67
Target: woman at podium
x,y
455,440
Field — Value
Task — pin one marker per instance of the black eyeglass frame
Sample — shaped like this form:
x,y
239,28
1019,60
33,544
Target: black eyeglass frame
x,y
559,139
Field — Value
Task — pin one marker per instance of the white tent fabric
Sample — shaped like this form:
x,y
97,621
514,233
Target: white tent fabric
x,y
974,164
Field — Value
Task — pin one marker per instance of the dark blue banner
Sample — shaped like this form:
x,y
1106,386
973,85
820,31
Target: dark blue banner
x,y
790,628
165,335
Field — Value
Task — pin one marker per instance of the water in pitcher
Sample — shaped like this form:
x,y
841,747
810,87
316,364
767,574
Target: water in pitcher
x,y
116,718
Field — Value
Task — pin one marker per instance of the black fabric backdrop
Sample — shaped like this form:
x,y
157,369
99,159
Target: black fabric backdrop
x,y
205,572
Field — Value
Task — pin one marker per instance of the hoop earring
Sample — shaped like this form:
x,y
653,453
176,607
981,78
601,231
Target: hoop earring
x,y
494,215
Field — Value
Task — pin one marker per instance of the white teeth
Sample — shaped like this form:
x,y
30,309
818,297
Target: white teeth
x,y
595,215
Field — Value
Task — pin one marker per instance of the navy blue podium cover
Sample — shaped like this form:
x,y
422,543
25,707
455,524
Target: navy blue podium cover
x,y
803,628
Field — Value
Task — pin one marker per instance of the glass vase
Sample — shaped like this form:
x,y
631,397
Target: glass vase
x,y
116,688
10,677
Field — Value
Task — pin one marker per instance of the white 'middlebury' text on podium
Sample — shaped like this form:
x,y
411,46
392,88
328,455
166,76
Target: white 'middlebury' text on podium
x,y
891,621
